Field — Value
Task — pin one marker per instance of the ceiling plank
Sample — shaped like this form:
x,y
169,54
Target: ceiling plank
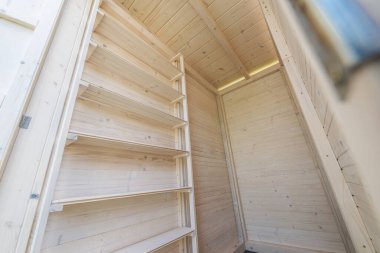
x,y
204,13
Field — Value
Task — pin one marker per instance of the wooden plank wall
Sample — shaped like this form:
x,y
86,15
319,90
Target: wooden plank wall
x,y
27,165
27,28
283,199
332,129
215,213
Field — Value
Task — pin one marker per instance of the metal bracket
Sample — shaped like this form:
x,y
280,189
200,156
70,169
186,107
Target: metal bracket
x,y
56,208
71,138
34,196
25,121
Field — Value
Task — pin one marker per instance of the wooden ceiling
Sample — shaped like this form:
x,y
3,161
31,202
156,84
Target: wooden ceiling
x,y
221,39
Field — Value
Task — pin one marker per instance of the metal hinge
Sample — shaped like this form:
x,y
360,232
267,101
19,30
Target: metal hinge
x,y
25,121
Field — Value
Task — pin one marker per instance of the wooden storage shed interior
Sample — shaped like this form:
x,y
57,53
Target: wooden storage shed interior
x,y
180,126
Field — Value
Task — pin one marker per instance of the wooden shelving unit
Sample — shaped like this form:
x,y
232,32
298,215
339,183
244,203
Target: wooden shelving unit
x,y
111,178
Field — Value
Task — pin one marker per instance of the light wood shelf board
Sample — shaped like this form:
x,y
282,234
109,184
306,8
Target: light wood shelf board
x,y
107,97
117,10
119,33
104,142
157,242
109,56
57,205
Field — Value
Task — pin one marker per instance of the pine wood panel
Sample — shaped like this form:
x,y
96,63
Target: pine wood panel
x,y
178,25
101,95
215,214
124,183
156,242
87,171
171,248
282,195
333,132
126,39
27,29
96,119
111,81
45,106
112,225
107,55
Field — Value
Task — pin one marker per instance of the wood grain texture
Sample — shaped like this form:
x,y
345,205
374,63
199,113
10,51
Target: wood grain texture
x,y
332,129
89,171
178,25
45,106
282,195
171,248
124,183
203,12
215,213
27,30
111,225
